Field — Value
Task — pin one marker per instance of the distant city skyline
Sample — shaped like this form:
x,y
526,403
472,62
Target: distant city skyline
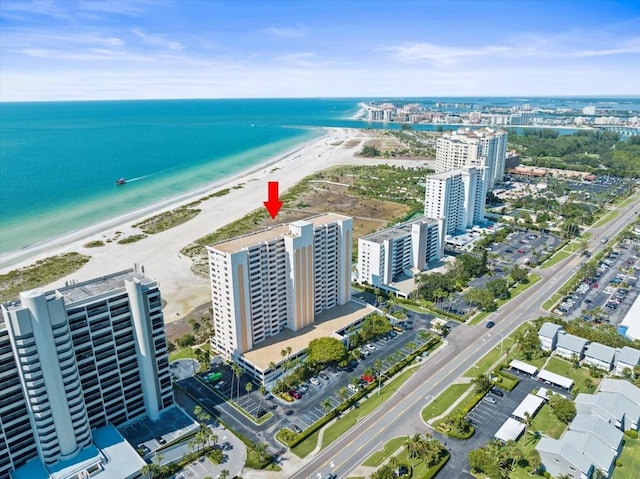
x,y
93,50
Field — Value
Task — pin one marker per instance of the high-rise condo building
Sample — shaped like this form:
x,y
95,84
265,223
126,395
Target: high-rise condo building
x,y
484,147
458,196
278,278
76,359
386,255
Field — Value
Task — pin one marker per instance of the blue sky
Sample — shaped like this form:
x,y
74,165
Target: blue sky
x,y
117,49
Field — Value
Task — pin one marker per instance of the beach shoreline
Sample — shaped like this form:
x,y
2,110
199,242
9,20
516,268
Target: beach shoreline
x,y
12,259
160,253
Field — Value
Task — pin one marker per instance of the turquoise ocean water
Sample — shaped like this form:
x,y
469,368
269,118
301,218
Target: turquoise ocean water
x,y
59,161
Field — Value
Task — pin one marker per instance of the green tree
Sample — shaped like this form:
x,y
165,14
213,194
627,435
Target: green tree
x,y
482,298
186,341
326,350
326,405
499,288
483,384
562,408
248,387
343,394
519,275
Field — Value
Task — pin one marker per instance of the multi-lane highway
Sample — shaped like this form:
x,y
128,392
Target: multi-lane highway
x,y
401,415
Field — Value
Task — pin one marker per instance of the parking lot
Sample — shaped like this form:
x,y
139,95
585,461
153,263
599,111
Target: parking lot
x,y
519,248
173,424
609,294
304,412
326,386
486,418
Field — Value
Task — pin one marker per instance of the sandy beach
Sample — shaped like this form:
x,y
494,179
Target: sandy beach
x,y
160,253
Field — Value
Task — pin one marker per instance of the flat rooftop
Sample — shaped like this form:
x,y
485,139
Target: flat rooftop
x,y
326,324
109,457
395,231
89,289
240,243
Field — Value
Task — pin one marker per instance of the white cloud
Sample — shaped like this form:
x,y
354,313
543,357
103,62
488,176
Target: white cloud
x,y
290,32
156,40
441,55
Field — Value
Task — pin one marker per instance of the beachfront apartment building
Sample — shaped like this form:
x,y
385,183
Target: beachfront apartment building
x,y
278,278
458,196
401,250
483,148
74,361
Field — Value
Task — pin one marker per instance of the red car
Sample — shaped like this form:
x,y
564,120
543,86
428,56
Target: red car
x,y
368,379
295,394
520,250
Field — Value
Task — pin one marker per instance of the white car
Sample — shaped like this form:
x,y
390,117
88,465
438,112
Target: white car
x,y
370,347
314,380
352,388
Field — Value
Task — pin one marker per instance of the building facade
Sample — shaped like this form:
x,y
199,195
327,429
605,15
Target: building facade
x,y
278,278
76,359
458,196
483,148
385,255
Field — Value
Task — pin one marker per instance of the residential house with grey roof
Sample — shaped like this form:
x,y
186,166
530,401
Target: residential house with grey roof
x,y
608,433
594,448
621,386
561,457
600,356
548,335
570,346
613,407
590,443
626,358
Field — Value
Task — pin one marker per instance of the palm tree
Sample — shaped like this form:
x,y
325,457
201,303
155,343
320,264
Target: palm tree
x,y
237,371
326,405
377,365
394,463
355,381
263,391
261,450
343,394
224,474
414,445
248,387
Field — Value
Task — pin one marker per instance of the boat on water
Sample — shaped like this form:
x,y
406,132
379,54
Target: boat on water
x,y
121,181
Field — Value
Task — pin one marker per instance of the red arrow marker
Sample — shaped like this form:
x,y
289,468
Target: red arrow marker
x,y
273,204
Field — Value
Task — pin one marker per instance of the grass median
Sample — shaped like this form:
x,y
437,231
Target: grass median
x,y
378,457
364,408
444,400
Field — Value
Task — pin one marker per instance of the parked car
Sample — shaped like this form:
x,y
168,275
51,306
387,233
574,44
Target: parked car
x,y
303,388
295,394
497,392
490,324
314,380
324,376
352,388
368,379
144,449
295,428
489,399
161,440
370,347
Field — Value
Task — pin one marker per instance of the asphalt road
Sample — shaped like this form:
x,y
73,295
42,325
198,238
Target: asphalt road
x,y
401,415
